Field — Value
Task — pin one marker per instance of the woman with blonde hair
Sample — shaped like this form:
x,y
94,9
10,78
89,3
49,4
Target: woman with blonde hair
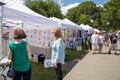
x,y
58,54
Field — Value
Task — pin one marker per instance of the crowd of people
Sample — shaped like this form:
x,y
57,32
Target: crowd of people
x,y
20,55
19,50
96,41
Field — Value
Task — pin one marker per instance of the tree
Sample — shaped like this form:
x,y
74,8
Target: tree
x,y
73,14
46,8
86,10
83,19
112,12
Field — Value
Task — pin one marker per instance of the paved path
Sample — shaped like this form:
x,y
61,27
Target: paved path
x,y
96,67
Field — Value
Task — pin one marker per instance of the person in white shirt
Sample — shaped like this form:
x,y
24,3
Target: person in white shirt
x,y
94,40
100,42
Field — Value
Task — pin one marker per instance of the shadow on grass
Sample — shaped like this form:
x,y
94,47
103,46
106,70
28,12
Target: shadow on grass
x,y
72,58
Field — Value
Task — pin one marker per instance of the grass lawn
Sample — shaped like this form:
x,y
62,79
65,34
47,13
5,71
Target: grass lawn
x,y
41,73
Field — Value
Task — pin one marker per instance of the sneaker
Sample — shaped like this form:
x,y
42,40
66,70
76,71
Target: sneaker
x,y
109,52
93,53
115,53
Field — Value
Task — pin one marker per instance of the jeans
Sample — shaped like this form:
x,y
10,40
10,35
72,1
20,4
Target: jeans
x,y
20,75
58,71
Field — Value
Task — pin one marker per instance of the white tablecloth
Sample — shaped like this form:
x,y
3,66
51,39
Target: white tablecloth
x,y
5,60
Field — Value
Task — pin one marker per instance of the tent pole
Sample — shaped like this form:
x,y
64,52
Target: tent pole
x,y
1,47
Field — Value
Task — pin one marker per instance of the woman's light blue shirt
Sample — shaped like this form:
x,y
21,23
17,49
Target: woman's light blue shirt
x,y
58,51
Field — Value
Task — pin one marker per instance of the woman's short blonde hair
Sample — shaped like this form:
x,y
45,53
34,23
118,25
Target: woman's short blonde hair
x,y
57,32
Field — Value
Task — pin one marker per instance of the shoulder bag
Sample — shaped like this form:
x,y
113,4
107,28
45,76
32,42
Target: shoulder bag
x,y
11,71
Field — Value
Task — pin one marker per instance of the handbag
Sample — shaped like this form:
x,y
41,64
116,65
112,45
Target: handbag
x,y
11,71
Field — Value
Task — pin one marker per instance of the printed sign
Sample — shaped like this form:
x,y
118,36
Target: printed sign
x,y
48,63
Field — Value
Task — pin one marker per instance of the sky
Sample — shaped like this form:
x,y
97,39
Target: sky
x,y
67,4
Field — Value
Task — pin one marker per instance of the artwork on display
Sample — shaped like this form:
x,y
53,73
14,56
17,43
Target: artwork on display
x,y
36,37
78,48
11,35
42,37
72,36
39,37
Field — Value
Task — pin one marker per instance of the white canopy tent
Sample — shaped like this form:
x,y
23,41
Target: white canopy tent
x,y
64,24
16,10
70,22
83,26
98,31
87,28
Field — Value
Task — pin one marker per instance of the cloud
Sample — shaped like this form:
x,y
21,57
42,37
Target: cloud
x,y
99,5
64,9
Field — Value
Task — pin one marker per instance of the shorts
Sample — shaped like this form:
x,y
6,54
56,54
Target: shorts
x,y
100,45
113,46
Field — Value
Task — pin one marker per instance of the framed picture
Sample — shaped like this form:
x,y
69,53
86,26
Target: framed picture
x,y
78,48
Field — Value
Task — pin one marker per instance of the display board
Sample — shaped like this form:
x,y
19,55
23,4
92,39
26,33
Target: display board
x,y
39,37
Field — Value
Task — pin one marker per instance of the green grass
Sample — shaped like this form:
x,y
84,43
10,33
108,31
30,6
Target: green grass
x,y
71,54
41,73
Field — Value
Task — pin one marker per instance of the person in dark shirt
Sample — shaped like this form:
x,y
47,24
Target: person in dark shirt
x,y
113,41
86,36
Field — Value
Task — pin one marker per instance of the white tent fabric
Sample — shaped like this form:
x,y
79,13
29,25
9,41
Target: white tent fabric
x,y
87,28
98,31
63,24
82,26
18,11
18,5
72,23
90,29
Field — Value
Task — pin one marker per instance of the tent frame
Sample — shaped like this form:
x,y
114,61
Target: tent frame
x,y
1,47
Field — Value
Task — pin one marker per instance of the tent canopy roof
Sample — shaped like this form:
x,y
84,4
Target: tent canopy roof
x,y
16,10
64,23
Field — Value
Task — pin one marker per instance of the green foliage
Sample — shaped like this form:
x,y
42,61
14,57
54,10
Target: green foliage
x,y
112,9
83,13
46,8
88,10
73,14
83,19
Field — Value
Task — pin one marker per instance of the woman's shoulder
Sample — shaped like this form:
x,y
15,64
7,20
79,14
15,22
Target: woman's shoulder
x,y
24,43
60,39
11,42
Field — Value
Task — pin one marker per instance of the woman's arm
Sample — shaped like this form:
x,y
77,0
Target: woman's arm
x,y
28,51
9,54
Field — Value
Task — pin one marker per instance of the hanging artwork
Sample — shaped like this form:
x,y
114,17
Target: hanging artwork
x,y
39,37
